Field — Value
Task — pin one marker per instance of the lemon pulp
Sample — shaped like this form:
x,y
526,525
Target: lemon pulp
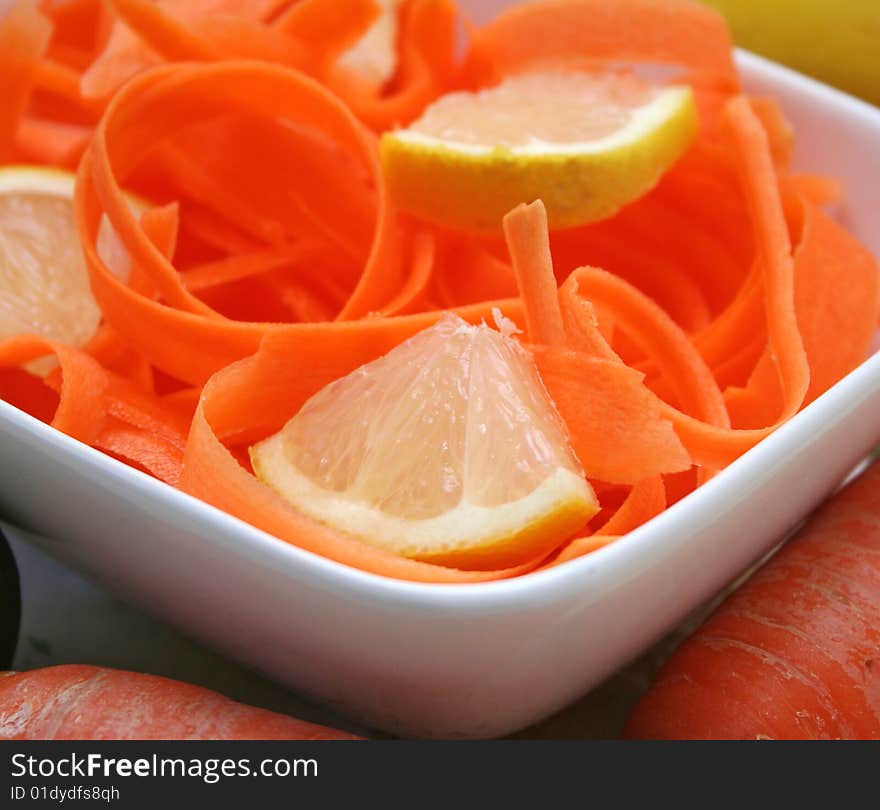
x,y
586,144
446,449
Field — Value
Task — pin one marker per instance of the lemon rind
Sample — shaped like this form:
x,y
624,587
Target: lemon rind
x,y
561,504
473,188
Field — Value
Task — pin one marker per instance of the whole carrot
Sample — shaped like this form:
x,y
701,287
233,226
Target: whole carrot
x,y
795,652
74,702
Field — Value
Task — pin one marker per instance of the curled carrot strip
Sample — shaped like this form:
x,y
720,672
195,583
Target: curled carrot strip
x,y
579,547
100,408
646,499
774,247
614,422
244,265
582,32
426,54
744,315
818,189
184,336
466,272
616,425
620,253
168,27
326,28
526,233
115,355
836,291
61,80
716,445
81,389
582,331
49,142
163,32
143,450
413,289
24,34
661,339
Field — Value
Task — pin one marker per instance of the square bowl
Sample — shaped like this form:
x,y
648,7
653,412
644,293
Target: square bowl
x,y
461,660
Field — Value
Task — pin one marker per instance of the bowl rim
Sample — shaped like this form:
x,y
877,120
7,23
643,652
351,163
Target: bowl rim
x,y
626,557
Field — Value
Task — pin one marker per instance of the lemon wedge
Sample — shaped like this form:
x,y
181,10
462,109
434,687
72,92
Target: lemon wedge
x,y
44,285
586,144
447,449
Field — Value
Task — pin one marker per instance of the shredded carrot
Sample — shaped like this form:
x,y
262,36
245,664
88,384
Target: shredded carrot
x,y
24,34
526,232
580,547
587,32
466,272
50,142
426,67
81,388
646,499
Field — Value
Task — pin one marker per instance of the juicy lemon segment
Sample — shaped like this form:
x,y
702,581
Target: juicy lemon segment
x,y
44,285
584,144
446,449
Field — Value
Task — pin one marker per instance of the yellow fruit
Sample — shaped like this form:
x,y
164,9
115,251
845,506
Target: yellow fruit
x,y
447,449
44,286
585,144
835,42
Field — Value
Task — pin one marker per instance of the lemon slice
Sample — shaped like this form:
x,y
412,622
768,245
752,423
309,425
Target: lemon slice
x,y
374,55
585,144
44,285
447,449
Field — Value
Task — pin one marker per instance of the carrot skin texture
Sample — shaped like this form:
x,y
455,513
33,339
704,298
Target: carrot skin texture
x,y
795,652
77,702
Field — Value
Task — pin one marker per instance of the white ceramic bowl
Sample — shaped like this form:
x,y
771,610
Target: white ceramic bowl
x,y
471,660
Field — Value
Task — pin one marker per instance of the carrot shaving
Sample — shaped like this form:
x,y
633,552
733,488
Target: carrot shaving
x,y
426,55
141,450
774,247
526,233
241,266
24,34
51,143
646,499
162,32
422,265
83,383
187,324
327,27
168,27
466,272
584,32
661,339
817,189
581,324
579,547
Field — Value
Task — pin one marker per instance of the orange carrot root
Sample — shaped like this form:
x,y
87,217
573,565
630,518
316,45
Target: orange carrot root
x,y
73,702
